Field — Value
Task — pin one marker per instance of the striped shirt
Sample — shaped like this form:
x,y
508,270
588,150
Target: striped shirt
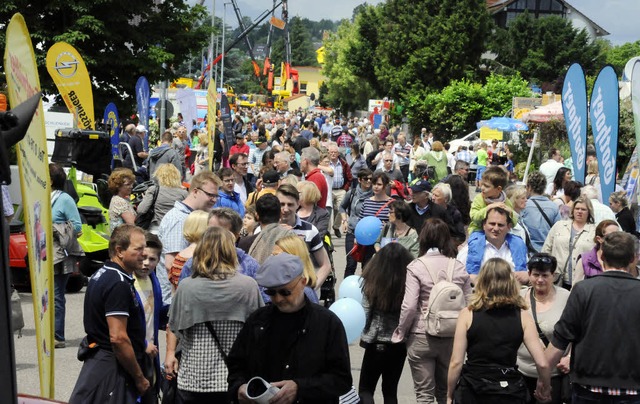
x,y
370,207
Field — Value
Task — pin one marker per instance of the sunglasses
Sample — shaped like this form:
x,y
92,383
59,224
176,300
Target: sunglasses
x,y
281,292
546,261
368,179
209,194
388,161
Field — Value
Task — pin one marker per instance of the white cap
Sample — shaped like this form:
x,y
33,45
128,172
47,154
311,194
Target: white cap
x,y
141,128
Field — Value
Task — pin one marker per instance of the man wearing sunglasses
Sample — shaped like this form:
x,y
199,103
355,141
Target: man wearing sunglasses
x,y
297,346
203,194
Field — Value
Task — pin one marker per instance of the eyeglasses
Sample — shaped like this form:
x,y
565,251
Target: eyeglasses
x,y
388,161
242,164
281,292
209,194
368,179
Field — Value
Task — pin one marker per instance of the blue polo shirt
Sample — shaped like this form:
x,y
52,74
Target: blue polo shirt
x,y
111,293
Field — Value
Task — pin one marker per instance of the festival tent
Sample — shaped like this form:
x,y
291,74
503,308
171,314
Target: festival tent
x,y
545,113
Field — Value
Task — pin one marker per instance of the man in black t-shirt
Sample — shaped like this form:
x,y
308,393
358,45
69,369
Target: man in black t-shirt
x,y
114,320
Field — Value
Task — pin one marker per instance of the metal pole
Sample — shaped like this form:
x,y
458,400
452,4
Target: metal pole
x,y
533,146
213,26
224,28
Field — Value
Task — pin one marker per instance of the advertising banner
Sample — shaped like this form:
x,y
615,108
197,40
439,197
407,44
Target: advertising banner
x,y
604,114
574,107
225,116
211,120
188,106
111,118
69,73
635,101
142,100
23,82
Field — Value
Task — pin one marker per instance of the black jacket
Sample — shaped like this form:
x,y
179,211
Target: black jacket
x,y
319,363
626,221
601,320
437,211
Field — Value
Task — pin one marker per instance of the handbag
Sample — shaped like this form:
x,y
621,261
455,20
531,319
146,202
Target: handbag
x,y
144,219
358,252
491,381
17,318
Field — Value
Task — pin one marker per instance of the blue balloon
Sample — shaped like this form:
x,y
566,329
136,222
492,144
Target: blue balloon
x,y
368,230
352,315
351,287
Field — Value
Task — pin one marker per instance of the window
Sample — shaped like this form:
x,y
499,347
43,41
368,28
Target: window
x,y
303,88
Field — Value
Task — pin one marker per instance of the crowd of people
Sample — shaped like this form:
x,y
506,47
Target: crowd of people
x,y
233,268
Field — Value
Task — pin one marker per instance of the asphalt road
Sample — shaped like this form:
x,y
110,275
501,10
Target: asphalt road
x,y
67,367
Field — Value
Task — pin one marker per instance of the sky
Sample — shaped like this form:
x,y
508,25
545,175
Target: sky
x,y
618,17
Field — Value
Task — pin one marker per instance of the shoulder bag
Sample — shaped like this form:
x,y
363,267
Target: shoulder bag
x,y
566,381
144,219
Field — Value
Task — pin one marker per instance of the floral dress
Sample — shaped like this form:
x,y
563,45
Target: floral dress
x,y
117,207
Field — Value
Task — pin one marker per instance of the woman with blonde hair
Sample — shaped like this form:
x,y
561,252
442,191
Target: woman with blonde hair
x,y
593,177
168,186
294,245
206,315
489,331
194,227
619,204
309,210
202,157
121,182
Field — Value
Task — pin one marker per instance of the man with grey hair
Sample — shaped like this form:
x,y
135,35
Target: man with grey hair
x,y
600,210
282,163
309,161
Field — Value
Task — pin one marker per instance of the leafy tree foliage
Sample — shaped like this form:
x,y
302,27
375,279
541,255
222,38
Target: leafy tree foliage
x,y
344,89
542,49
119,40
618,56
454,110
426,44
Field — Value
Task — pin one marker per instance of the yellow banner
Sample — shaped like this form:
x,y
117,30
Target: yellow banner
x,y
211,119
490,134
23,82
68,71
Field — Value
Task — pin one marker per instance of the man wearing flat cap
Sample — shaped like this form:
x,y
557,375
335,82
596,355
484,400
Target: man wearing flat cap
x,y
423,208
297,346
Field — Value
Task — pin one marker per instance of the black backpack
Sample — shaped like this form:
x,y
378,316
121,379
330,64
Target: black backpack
x,y
144,219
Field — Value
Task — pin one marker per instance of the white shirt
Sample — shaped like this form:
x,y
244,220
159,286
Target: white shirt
x,y
601,212
490,251
549,169
242,190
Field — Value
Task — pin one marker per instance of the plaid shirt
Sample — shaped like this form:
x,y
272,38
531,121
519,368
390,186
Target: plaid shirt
x,y
611,391
202,368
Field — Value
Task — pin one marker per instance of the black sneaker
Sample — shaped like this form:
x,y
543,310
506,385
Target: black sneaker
x,y
337,233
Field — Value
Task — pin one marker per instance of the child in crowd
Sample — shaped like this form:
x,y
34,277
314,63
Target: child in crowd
x,y
482,157
494,181
149,297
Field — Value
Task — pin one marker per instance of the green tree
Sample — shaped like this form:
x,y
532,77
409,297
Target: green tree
x,y
344,89
618,56
118,40
302,52
457,108
542,49
426,44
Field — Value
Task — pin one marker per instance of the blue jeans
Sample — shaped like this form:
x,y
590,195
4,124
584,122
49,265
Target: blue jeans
x,y
60,284
583,396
